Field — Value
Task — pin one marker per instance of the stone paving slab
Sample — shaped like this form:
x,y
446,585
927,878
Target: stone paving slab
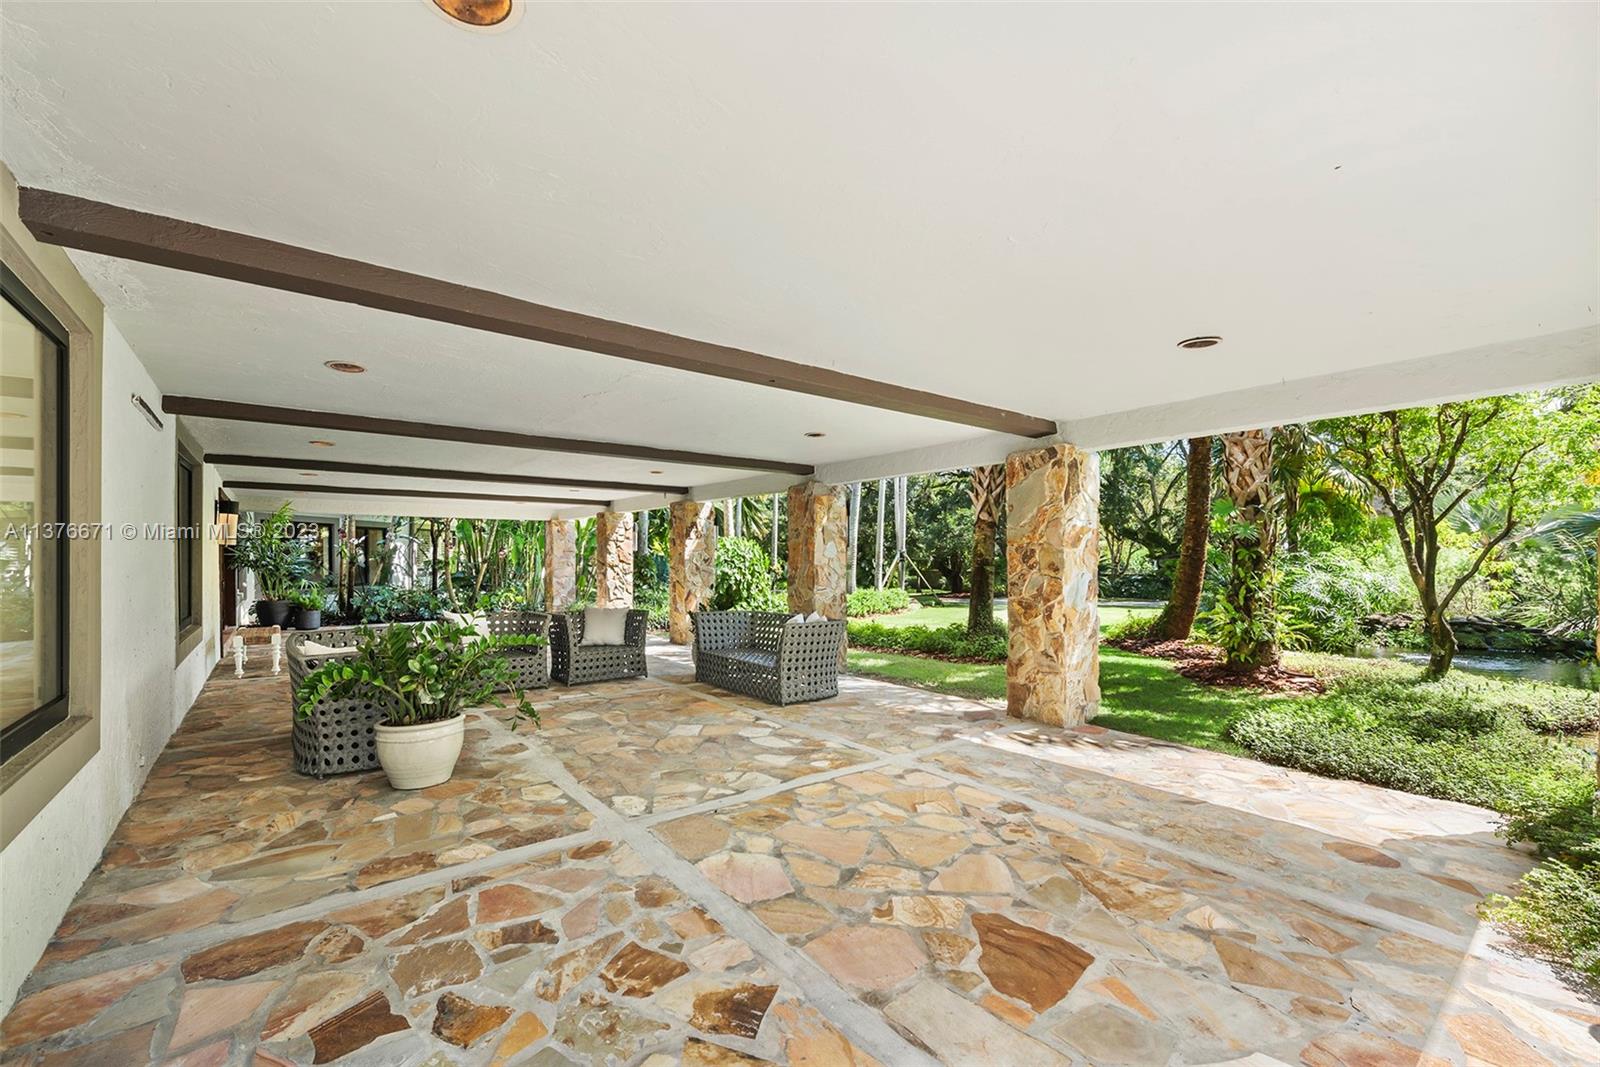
x,y
1434,879
655,748
1050,943
668,874
581,956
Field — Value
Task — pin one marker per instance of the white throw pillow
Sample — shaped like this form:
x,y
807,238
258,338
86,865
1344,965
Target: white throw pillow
x,y
605,626
318,650
797,618
816,617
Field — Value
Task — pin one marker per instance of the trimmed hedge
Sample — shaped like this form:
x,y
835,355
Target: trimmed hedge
x,y
885,601
946,642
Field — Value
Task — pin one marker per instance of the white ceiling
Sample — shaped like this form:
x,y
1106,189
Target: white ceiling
x,y
1025,206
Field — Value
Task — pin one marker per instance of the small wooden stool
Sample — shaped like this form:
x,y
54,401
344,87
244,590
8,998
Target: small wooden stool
x,y
235,638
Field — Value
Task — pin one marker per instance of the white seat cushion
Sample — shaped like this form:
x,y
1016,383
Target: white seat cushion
x,y
318,650
605,626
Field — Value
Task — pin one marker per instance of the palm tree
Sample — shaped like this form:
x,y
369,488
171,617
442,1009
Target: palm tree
x,y
987,489
1248,615
1177,618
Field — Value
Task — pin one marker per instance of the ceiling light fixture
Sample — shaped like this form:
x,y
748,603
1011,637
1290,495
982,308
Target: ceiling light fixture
x,y
1199,342
321,444
345,368
815,433
479,14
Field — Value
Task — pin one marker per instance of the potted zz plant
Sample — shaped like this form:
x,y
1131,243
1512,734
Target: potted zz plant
x,y
280,560
424,677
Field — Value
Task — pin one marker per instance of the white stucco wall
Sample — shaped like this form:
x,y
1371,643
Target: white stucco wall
x,y
144,695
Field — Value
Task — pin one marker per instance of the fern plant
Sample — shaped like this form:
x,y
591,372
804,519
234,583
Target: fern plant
x,y
426,673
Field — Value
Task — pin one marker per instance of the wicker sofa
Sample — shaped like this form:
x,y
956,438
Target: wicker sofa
x,y
530,667
765,655
337,737
575,663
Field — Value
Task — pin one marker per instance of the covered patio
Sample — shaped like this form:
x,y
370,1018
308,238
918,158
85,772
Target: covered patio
x,y
599,261
668,874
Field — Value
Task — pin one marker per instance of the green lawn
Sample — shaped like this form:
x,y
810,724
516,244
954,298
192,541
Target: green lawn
x,y
934,618
1138,694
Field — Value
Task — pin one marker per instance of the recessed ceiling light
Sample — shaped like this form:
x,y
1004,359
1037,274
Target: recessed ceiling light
x,y
478,13
1199,342
345,368
815,433
321,444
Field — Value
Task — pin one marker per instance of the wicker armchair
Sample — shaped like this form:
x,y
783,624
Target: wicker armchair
x,y
764,655
337,737
530,667
574,663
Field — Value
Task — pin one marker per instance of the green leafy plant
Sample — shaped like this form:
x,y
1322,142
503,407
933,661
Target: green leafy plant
x,y
744,577
311,597
871,601
280,560
386,603
946,642
424,673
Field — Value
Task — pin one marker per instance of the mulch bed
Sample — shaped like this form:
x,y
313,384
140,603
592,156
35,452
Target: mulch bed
x,y
1203,664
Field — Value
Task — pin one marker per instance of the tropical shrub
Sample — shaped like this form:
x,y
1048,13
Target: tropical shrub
x,y
388,603
425,673
946,642
1324,597
1557,906
1451,739
1133,628
270,549
744,577
871,601
655,599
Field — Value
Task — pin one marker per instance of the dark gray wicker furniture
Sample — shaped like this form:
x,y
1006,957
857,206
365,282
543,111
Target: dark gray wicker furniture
x,y
337,737
764,655
529,666
574,663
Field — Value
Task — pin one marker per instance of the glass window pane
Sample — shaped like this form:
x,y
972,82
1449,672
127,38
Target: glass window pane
x,y
31,566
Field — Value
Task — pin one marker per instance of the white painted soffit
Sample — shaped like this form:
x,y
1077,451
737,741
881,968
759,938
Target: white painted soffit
x,y
1565,358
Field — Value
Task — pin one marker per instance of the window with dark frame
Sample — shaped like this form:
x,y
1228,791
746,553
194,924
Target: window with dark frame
x,y
188,533
33,499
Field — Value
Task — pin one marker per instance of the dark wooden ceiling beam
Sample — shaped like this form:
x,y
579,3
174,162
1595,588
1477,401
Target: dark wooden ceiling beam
x,y
298,488
74,222
234,411
345,467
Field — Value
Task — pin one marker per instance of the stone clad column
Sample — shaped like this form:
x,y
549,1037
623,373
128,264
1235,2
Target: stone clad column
x,y
692,564
613,559
818,549
1052,581
560,564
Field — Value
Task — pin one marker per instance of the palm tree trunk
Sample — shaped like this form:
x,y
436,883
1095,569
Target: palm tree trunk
x,y
988,487
877,570
1250,640
774,533
854,537
1177,618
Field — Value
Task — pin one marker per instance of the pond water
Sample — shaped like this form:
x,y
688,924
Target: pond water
x,y
1582,674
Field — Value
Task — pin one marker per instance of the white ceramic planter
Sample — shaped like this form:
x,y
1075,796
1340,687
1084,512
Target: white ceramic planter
x,y
415,757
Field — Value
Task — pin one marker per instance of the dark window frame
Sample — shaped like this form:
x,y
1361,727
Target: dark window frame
x,y
28,729
186,554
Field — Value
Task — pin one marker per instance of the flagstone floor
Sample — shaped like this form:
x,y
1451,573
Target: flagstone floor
x,y
665,874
